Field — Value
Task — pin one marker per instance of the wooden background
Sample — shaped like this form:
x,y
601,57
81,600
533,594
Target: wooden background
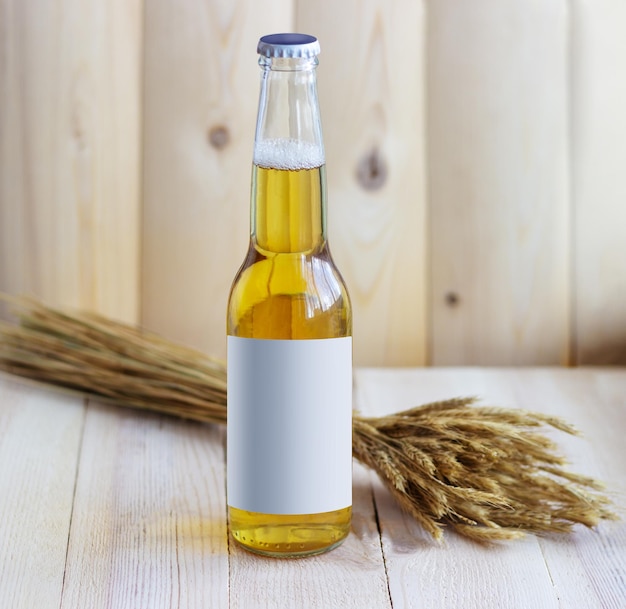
x,y
476,156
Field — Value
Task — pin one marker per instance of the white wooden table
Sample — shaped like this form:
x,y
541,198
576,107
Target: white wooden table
x,y
106,507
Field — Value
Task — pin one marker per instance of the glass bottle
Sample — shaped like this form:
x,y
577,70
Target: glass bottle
x,y
289,326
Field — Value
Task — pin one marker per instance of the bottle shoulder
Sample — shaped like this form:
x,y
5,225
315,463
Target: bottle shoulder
x,y
286,272
289,295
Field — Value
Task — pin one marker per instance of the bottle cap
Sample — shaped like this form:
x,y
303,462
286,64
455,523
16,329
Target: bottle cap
x,y
288,45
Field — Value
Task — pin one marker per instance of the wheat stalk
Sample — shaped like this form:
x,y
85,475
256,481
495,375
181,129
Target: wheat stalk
x,y
487,472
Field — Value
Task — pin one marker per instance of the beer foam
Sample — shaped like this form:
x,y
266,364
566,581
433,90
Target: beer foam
x,y
288,154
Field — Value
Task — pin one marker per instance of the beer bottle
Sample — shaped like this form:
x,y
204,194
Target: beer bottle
x,y
289,326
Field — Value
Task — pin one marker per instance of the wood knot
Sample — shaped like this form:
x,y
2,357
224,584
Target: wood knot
x,y
371,172
452,299
219,137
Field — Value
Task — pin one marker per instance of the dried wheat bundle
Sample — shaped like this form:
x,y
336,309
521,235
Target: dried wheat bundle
x,y
487,472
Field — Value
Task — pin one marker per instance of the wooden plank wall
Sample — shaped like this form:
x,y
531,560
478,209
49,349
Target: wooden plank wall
x,y
373,112
598,180
476,160
498,175
200,101
70,107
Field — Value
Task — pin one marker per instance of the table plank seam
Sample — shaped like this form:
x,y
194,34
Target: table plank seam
x,y
177,537
76,473
549,571
228,542
380,541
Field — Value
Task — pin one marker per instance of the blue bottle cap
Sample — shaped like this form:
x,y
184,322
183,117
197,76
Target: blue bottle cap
x,y
288,45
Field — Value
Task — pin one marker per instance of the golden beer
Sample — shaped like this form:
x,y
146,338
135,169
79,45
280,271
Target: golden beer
x,y
289,288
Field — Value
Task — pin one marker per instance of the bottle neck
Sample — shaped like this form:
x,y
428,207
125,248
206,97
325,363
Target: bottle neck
x,y
288,183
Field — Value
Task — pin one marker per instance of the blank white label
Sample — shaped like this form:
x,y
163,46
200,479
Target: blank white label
x,y
289,425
